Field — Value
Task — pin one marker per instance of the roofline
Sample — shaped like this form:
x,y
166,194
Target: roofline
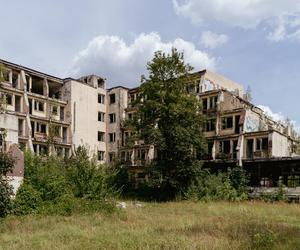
x,y
116,87
30,70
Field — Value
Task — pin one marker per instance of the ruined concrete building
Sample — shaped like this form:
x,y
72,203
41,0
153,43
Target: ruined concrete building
x,y
49,115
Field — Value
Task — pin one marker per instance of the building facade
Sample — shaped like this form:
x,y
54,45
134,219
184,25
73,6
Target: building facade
x,y
49,115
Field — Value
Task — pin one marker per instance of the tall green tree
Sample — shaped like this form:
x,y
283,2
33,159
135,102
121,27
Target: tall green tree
x,y
170,118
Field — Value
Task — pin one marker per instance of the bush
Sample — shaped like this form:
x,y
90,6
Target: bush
x,y
53,185
46,175
6,165
89,179
27,200
221,186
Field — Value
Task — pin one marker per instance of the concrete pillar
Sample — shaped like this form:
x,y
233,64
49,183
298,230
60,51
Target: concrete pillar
x,y
214,150
45,88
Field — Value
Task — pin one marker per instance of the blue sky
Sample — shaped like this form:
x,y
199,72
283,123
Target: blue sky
x,y
254,42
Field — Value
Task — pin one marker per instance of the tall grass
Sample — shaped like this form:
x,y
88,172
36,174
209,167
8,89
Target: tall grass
x,y
173,225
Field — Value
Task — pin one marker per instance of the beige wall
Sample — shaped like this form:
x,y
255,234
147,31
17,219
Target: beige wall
x,y
10,124
222,82
82,110
280,145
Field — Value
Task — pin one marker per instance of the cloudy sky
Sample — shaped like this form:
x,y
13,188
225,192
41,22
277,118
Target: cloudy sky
x,y
253,42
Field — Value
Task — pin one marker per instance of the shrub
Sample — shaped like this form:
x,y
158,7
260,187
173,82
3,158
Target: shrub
x,y
46,175
89,179
27,200
62,186
221,186
6,165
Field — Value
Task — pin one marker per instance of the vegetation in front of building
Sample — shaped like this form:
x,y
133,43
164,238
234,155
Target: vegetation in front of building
x,y
6,165
54,185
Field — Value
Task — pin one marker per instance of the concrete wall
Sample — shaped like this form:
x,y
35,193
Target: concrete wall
x,y
117,108
223,82
82,111
10,124
280,145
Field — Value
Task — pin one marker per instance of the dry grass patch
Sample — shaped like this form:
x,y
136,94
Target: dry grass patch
x,y
173,225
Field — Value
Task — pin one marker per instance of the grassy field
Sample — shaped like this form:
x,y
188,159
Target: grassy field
x,y
174,225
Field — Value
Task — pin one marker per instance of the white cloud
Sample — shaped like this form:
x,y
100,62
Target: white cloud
x,y
279,117
121,63
213,40
278,15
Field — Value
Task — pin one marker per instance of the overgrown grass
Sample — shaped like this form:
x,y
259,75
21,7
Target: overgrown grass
x,y
173,225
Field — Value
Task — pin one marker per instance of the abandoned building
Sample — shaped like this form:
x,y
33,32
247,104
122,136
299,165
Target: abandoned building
x,y
49,115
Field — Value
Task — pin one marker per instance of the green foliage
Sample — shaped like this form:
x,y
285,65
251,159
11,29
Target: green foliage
x,y
27,200
53,185
231,186
6,165
46,175
89,179
170,118
278,195
264,240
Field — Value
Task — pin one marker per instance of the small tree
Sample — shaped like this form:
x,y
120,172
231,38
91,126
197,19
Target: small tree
x,y
170,118
6,165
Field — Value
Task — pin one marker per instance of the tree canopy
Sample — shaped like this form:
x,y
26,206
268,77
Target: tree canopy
x,y
170,118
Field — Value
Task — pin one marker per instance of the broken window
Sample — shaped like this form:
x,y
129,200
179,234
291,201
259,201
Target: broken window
x,y
41,128
54,110
65,134
17,103
112,137
39,106
213,102
204,104
111,157
101,98
265,143
15,77
262,144
100,136
37,85
211,125
54,89
101,116
132,97
100,83
227,122
112,98
5,75
8,99
101,155
20,127
225,147
112,118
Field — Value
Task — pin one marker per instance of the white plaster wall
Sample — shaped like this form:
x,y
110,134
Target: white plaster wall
x,y
10,123
280,145
84,119
224,82
15,182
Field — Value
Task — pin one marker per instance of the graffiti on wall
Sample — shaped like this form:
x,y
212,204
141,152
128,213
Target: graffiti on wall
x,y
252,124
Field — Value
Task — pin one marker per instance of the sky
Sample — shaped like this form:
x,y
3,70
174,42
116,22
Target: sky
x,y
253,42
